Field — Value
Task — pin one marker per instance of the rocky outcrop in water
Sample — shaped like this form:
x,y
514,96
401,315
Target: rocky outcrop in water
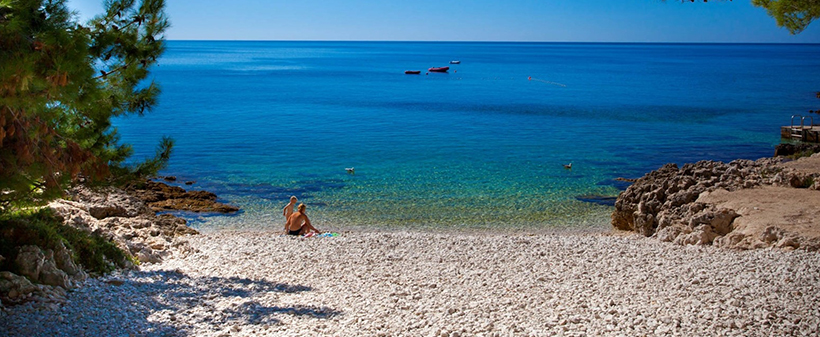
x,y
665,203
796,149
162,197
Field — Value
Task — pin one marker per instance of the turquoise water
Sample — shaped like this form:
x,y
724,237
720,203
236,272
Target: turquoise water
x,y
481,146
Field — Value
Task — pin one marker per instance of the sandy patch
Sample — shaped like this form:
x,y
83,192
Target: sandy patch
x,y
808,165
791,209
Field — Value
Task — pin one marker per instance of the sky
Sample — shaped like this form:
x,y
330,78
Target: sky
x,y
476,20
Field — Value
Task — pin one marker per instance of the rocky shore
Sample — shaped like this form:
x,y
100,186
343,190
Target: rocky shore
x,y
127,218
771,202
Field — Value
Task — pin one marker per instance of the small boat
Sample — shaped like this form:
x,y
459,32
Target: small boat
x,y
439,69
455,62
412,72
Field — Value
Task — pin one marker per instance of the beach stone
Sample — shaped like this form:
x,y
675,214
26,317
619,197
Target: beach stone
x,y
701,235
105,211
668,234
147,255
771,234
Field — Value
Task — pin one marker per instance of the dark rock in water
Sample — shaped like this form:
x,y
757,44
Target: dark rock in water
x,y
597,199
162,197
190,182
619,183
192,205
793,149
169,178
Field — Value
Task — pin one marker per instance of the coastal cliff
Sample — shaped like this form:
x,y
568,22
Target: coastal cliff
x,y
744,204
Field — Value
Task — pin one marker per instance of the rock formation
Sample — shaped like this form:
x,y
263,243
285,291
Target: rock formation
x,y
127,219
162,197
124,219
667,203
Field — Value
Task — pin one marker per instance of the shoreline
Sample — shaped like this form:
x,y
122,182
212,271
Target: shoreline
x,y
428,284
459,281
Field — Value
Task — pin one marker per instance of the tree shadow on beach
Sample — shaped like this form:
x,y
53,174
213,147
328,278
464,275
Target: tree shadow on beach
x,y
218,302
166,303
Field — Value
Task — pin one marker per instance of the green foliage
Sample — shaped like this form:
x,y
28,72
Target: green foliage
x,y
809,182
794,15
125,175
801,154
61,82
42,228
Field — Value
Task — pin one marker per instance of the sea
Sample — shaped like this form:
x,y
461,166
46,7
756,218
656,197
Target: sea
x,y
482,146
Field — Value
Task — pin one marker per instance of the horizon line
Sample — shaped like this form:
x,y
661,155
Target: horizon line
x,y
483,41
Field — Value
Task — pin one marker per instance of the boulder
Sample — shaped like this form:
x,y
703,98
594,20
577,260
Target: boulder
x,y
29,261
105,211
15,288
701,235
64,261
51,275
148,255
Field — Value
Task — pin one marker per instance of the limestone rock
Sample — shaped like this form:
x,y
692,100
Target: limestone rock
x,y
701,235
126,220
162,197
105,211
63,260
193,205
51,275
29,261
664,203
14,288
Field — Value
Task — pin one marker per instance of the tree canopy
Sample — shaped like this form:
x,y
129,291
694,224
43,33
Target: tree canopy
x,y
794,15
61,82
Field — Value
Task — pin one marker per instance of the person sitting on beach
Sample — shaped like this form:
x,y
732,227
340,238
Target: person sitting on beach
x,y
299,224
288,211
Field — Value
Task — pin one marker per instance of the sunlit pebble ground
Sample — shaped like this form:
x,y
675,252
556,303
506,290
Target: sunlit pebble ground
x,y
443,284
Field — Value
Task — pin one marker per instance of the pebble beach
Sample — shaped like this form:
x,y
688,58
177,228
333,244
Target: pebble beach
x,y
591,283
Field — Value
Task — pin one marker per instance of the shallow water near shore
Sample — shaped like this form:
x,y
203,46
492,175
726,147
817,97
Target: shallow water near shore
x,y
479,147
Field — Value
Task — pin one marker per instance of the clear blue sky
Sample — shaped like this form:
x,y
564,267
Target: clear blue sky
x,y
476,20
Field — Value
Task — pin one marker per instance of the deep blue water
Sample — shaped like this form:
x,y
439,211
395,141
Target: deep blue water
x,y
480,146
